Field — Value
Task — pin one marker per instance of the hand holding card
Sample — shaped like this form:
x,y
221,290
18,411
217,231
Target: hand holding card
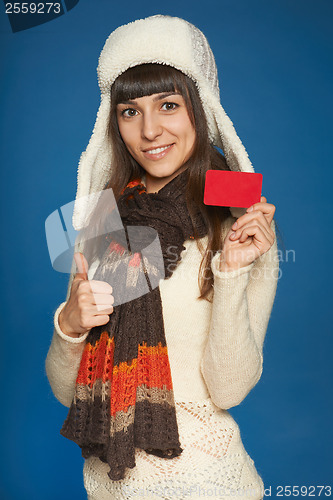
x,y
251,235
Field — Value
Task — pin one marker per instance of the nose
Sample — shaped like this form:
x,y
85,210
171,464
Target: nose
x,y
151,126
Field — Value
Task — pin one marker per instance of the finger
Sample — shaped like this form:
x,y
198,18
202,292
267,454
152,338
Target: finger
x,y
262,206
263,199
101,319
266,208
263,227
92,311
104,309
250,218
100,287
101,299
81,265
259,237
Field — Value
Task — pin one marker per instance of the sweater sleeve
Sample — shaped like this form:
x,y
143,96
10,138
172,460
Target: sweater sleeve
x,y
63,361
232,361
64,355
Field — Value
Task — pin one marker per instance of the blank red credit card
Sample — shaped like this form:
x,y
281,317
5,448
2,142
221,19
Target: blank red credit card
x,y
232,189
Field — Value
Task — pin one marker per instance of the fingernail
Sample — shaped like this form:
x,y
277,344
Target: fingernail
x,y
250,209
232,234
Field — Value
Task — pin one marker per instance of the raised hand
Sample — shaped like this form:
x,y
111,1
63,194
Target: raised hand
x,y
89,304
249,237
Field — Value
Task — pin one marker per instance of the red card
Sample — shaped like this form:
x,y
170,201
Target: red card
x,y
232,189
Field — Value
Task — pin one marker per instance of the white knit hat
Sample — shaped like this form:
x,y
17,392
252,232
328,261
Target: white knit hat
x,y
156,39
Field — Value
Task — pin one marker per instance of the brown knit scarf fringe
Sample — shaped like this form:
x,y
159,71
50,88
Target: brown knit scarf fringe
x,y
124,394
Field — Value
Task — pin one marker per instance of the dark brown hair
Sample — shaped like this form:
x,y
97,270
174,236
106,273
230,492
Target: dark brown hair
x,y
148,79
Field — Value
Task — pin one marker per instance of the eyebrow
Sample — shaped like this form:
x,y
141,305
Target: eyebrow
x,y
157,98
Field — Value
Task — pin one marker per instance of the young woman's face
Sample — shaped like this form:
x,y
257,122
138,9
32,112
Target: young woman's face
x,y
158,133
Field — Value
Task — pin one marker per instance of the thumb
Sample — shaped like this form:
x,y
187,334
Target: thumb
x,y
81,265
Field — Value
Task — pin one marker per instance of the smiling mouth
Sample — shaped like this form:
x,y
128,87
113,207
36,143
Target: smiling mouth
x,y
158,153
157,150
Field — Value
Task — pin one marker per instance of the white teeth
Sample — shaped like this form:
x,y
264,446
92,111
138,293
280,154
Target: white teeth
x,y
156,151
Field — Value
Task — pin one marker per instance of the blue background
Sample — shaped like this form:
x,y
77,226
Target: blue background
x,y
275,68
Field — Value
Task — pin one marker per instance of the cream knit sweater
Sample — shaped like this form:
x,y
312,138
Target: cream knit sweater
x,y
215,354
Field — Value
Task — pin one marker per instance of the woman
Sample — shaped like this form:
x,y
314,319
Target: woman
x,y
163,325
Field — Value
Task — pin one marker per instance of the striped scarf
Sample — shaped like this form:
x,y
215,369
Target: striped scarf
x,y
124,394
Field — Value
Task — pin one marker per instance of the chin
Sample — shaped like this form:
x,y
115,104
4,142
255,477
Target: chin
x,y
161,174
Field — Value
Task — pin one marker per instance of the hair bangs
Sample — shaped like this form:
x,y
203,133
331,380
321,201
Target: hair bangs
x,y
147,79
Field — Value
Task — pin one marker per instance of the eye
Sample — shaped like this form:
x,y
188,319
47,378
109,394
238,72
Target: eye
x,y
170,106
128,112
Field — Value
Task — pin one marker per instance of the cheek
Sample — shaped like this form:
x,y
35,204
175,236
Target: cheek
x,y
128,135
183,128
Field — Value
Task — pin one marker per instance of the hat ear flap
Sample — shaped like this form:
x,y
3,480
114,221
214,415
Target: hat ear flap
x,y
94,167
233,148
